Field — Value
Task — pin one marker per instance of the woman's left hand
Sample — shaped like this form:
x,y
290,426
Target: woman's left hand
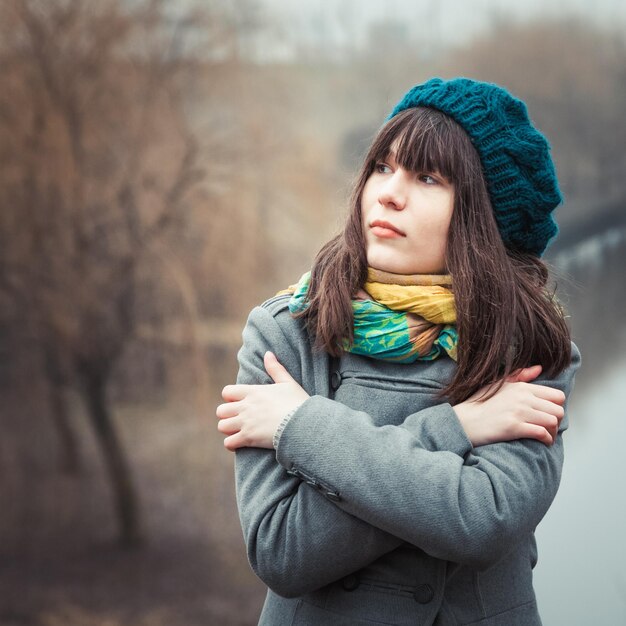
x,y
252,413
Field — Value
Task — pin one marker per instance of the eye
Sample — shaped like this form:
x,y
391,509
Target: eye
x,y
429,179
382,168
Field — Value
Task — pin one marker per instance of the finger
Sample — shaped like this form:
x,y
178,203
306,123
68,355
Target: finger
x,y
235,441
229,409
527,374
231,393
229,426
512,377
548,393
539,418
533,431
545,406
553,433
278,373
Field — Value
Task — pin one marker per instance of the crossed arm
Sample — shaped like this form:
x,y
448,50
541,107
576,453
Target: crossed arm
x,y
451,499
253,413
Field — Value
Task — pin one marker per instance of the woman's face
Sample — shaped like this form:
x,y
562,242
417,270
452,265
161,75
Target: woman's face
x,y
406,218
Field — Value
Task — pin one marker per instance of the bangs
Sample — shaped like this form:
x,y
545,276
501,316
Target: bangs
x,y
425,140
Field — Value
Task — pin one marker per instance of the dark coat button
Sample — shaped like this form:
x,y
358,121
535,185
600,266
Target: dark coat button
x,y
333,495
350,582
423,594
335,380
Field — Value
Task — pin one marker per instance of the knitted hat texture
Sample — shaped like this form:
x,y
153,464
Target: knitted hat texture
x,y
515,156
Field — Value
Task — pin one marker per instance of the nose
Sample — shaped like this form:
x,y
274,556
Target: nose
x,y
393,194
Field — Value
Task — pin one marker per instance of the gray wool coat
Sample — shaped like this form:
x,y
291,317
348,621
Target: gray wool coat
x,y
375,508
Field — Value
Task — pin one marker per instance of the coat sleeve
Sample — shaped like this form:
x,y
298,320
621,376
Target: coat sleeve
x,y
422,481
296,539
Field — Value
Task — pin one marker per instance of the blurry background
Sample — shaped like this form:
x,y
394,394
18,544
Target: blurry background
x,y
165,166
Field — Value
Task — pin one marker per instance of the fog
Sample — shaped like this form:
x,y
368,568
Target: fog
x,y
580,578
337,25
164,167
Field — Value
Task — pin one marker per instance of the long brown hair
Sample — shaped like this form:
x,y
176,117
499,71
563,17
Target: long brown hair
x,y
506,317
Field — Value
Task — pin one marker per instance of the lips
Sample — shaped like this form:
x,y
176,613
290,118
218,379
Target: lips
x,y
382,228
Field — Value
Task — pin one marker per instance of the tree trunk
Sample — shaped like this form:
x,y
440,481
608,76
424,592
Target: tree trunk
x,y
69,449
125,496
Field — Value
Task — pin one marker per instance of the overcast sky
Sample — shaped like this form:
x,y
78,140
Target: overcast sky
x,y
338,23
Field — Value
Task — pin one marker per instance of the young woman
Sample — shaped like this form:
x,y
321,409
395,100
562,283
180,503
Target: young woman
x,y
398,413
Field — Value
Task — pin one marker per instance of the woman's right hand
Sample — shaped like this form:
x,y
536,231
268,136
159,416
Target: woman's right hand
x,y
518,410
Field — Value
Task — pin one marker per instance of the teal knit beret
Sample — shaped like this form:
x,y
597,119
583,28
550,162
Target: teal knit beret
x,y
516,161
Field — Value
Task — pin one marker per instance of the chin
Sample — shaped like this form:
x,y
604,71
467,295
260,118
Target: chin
x,y
394,261
393,264
405,268
393,268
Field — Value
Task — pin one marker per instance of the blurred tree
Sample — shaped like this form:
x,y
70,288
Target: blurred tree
x,y
97,164
571,74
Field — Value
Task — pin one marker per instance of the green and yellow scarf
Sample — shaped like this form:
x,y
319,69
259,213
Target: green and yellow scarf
x,y
397,317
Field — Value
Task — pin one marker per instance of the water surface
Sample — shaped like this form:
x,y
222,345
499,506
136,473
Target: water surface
x,y
581,575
